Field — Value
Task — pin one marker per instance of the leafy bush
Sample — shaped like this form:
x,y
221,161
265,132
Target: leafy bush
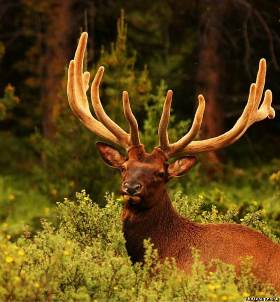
x,y
83,258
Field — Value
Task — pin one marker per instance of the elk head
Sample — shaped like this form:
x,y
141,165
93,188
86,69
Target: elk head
x,y
144,174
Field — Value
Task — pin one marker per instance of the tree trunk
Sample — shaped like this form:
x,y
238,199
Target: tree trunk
x,y
56,58
210,70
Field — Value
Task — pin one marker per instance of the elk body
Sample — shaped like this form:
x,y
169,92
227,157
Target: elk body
x,y
148,211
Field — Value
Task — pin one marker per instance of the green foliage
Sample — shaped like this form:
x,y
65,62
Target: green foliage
x,y
84,259
79,158
21,206
153,113
122,75
275,178
8,101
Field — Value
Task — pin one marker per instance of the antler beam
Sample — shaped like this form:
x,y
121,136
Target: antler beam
x,y
253,112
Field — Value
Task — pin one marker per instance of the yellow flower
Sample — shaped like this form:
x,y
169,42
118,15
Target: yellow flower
x,y
11,197
66,253
275,177
21,253
36,284
211,286
8,237
17,279
212,296
224,298
245,294
9,259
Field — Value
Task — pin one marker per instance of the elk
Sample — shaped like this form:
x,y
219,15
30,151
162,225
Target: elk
x,y
148,211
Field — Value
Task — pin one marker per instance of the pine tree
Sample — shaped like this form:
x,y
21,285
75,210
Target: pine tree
x,y
121,74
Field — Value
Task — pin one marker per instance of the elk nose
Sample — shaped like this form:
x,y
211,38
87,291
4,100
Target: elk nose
x,y
132,188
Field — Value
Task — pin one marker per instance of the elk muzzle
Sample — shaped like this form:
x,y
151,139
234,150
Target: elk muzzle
x,y
132,188
131,192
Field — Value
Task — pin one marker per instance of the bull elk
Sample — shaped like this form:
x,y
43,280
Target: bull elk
x,y
148,211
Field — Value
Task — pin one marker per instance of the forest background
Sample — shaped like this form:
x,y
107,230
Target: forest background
x,y
203,46
192,47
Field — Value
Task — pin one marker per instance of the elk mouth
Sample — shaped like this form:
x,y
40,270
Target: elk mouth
x,y
132,200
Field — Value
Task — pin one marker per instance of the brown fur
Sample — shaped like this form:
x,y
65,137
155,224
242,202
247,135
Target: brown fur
x,y
153,216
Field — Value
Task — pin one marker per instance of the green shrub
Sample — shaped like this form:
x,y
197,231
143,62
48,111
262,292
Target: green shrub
x,y
83,258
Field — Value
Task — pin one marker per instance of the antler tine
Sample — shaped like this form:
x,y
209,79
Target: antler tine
x,y
260,82
86,77
78,100
171,149
230,136
187,138
164,121
134,133
121,135
79,77
266,110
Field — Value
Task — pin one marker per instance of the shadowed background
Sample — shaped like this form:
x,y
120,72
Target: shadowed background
x,y
209,47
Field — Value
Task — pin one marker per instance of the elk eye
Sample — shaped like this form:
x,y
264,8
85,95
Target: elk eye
x,y
122,168
160,174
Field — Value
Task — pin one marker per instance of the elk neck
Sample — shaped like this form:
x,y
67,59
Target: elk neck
x,y
161,223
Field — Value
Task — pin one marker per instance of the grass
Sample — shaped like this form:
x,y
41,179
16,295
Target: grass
x,y
22,205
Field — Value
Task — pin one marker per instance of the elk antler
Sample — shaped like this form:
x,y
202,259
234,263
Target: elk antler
x,y
253,112
77,87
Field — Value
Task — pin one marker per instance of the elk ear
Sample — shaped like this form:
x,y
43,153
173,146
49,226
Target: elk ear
x,y
181,166
110,155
